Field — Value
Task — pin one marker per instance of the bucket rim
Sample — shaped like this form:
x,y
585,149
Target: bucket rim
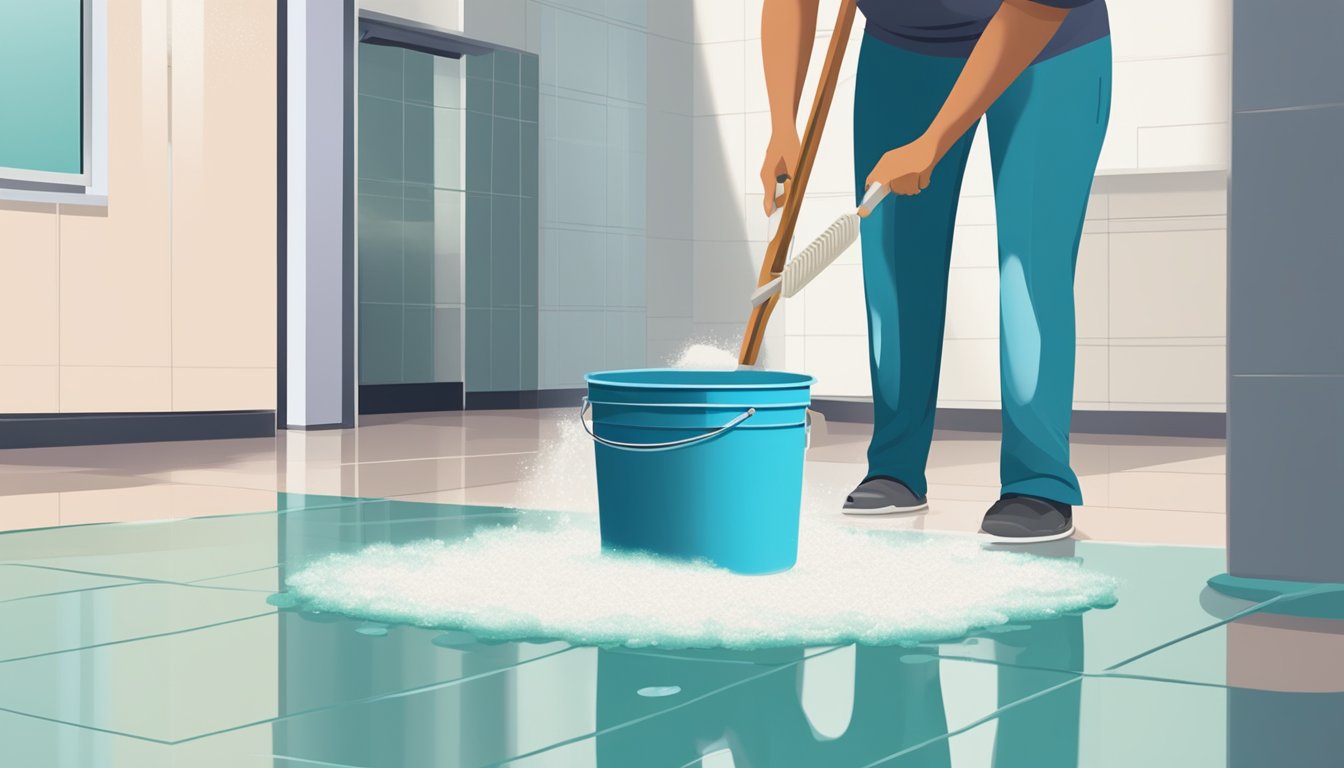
x,y
788,379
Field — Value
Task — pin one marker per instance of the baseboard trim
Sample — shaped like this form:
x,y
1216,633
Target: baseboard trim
x,y
1139,423
53,430
527,398
410,398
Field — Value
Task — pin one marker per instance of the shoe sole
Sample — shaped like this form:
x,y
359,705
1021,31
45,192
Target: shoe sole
x,y
888,510
1029,539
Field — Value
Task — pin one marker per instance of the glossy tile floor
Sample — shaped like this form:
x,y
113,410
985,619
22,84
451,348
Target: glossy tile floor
x,y
147,641
1148,490
153,644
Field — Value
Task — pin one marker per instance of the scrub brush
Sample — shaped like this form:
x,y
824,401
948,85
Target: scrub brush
x,y
817,256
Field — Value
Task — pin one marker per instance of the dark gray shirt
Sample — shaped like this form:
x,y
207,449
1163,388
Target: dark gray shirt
x,y
952,27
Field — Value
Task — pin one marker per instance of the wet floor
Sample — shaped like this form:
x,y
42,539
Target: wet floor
x,y
154,644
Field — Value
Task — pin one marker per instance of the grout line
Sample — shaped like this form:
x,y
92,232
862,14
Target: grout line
x,y
129,640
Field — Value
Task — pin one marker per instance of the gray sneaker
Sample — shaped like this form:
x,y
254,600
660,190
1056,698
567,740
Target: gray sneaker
x,y
883,496
1018,519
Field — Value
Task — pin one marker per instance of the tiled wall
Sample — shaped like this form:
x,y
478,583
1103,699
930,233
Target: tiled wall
x,y
501,221
410,217
165,299
603,159
1152,275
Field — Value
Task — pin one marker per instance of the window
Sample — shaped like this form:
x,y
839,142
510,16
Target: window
x,y
47,94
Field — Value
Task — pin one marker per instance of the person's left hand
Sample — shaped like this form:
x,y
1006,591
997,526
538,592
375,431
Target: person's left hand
x,y
906,170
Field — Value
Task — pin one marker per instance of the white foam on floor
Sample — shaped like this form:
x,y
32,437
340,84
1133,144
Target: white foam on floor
x,y
550,578
555,582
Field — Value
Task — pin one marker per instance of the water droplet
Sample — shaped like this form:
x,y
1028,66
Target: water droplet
x,y
283,599
659,691
372,629
456,640
918,658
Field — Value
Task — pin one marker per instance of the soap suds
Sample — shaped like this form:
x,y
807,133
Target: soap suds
x,y
706,357
547,577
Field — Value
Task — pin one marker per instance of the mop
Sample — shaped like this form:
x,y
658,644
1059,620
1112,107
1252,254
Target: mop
x,y
772,267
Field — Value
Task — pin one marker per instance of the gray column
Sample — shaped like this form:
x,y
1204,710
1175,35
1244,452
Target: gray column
x,y
1286,293
319,213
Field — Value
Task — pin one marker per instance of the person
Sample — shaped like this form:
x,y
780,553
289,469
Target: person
x,y
1040,72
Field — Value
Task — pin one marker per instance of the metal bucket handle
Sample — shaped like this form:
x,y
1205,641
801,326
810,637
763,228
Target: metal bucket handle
x,y
583,411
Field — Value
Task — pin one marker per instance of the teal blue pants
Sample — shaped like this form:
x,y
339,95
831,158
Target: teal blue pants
x,y
1045,134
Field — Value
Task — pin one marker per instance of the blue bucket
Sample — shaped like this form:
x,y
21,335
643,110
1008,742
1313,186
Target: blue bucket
x,y
701,464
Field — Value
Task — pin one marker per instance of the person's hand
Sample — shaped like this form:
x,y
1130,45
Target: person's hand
x,y
906,170
781,157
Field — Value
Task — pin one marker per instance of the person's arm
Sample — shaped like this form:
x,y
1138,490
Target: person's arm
x,y
1013,39
787,30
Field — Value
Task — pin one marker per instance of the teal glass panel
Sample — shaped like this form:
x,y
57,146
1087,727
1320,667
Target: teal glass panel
x,y
42,86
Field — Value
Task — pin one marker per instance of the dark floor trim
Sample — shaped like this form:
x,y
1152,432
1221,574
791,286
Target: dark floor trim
x,y
1145,423
534,398
410,398
48,430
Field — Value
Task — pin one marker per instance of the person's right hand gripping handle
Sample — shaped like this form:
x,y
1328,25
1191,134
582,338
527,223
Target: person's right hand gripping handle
x,y
788,28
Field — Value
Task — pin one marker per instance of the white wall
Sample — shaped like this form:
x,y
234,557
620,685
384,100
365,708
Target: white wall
x,y
445,14
1151,278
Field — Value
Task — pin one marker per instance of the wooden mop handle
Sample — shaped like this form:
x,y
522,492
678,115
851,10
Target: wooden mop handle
x,y
777,251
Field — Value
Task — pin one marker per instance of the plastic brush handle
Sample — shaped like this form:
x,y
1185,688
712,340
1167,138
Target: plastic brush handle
x,y
876,191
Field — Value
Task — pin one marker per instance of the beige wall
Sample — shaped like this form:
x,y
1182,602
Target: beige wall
x,y
164,299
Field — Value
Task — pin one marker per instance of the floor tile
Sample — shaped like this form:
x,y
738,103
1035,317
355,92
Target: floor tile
x,y
117,614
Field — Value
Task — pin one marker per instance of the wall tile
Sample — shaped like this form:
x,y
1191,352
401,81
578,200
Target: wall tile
x,y
1169,375
1168,284
29,287
113,388
673,20
380,348
529,255
448,343
1175,146
627,78
506,157
508,100
418,77
669,88
418,252
530,162
448,75
1091,378
417,344
723,279
449,246
529,358
719,78
477,374
717,21
668,278
508,67
670,194
380,249
1191,28
477,234
380,70
480,95
505,252
835,302
447,148
29,389
580,53
381,138
719,153
1283,471
970,371
574,180
210,389
581,257
1285,266
972,304
1092,288
839,364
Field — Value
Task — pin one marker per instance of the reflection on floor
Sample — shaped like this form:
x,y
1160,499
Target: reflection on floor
x,y
153,644
1145,490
